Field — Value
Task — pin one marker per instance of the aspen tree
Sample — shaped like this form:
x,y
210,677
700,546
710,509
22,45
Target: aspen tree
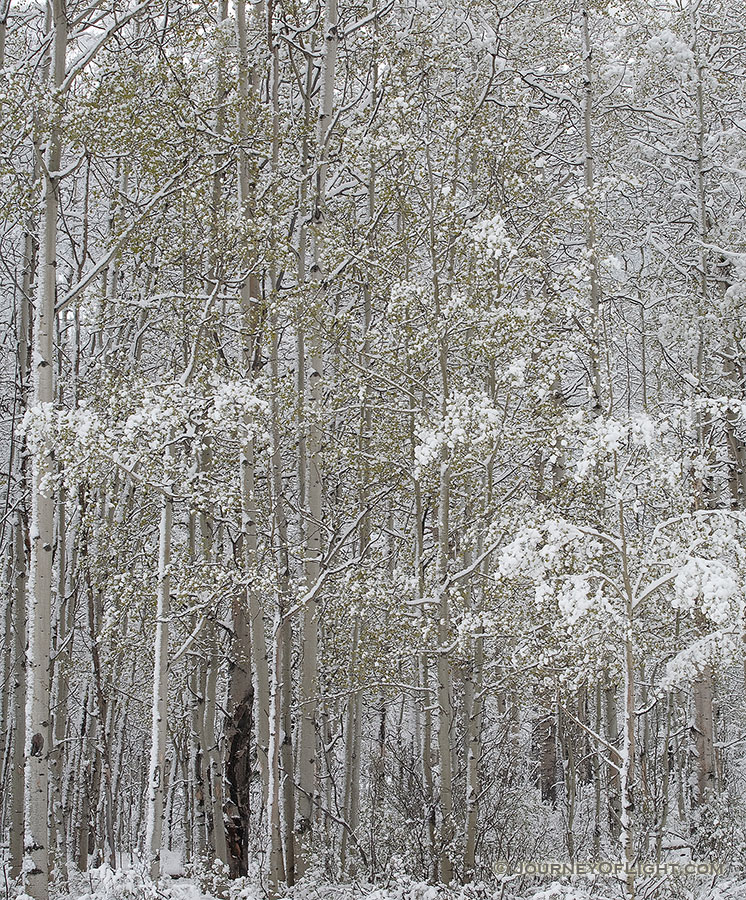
x,y
249,674
307,750
474,712
18,674
19,699
703,687
353,719
38,734
281,857
157,770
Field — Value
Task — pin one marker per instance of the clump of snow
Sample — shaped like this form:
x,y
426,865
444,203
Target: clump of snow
x,y
558,891
608,435
492,236
470,420
688,665
575,597
713,585
672,52
236,403
535,552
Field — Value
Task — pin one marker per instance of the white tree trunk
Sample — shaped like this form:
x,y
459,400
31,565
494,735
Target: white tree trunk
x,y
215,761
36,871
156,777
19,701
253,315
473,703
590,235
309,665
274,823
60,673
702,736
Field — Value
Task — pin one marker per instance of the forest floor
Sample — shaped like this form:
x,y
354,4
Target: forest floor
x,y
104,883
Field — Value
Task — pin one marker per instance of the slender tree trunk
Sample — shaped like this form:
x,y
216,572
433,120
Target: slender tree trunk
x,y
211,756
443,665
63,640
629,751
6,686
423,682
702,737
545,736
597,769
19,577
214,760
353,724
274,824
19,700
156,778
253,314
82,807
102,705
197,766
703,688
306,803
590,236
351,804
665,782
473,702
36,874
615,761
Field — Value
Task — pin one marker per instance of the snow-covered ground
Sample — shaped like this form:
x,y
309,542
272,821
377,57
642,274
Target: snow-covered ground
x,y
131,883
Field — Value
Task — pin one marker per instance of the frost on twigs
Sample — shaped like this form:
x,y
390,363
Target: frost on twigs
x,y
717,649
558,559
713,586
153,433
491,236
604,436
601,588
472,423
670,51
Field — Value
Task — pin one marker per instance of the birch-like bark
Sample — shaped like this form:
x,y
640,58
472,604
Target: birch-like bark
x,y
102,705
36,871
274,824
81,802
445,686
208,757
702,737
629,746
215,762
443,666
19,576
281,861
423,671
545,736
473,705
306,802
703,688
156,777
615,761
353,724
196,774
240,722
19,699
63,644
253,315
590,233
6,684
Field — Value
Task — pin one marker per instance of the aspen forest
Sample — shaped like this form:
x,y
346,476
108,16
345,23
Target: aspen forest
x,y
373,431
